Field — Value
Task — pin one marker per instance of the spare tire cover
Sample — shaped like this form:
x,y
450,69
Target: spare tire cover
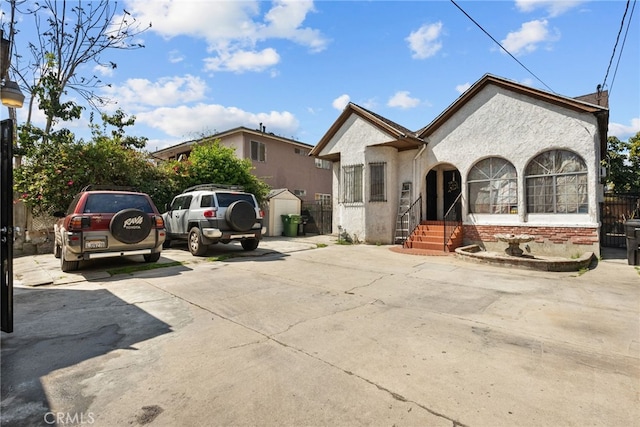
x,y
241,215
130,225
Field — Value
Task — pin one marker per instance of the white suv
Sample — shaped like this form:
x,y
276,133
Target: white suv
x,y
210,213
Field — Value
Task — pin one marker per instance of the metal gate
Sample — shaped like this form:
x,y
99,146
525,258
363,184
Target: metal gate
x,y
318,216
6,225
614,212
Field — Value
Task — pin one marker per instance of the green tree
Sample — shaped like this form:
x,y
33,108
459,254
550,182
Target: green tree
x,y
210,162
634,161
54,169
119,121
70,36
623,164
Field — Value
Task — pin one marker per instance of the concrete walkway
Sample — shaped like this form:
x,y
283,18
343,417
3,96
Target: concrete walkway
x,y
303,334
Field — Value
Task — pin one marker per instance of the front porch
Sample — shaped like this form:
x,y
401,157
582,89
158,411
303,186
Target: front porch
x,y
435,236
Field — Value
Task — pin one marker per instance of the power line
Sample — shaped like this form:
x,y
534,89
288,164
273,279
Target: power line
x,y
615,71
613,54
502,47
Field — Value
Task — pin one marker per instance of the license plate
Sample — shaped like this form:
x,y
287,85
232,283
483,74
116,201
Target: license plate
x,y
95,244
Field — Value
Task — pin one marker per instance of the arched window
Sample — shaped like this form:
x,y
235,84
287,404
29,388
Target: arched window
x,y
493,187
556,182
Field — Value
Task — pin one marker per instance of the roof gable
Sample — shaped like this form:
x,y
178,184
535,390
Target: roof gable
x,y
571,103
400,137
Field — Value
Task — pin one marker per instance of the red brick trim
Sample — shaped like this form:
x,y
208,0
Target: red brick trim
x,y
546,234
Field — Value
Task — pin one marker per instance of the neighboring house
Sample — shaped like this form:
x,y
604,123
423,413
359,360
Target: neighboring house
x,y
280,162
503,158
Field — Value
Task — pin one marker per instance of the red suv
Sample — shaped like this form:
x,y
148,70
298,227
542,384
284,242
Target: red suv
x,y
103,223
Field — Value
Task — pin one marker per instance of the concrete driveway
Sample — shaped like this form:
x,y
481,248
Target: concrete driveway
x,y
298,334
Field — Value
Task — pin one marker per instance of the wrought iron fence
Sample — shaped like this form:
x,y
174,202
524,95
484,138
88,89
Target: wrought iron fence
x,y
318,216
614,212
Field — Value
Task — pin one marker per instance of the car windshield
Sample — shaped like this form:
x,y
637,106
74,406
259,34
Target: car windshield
x,y
225,199
112,203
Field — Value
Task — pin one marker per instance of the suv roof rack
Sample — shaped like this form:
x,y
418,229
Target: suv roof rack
x,y
108,187
214,187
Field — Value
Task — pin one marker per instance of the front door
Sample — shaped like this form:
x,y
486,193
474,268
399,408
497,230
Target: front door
x,y
432,195
452,187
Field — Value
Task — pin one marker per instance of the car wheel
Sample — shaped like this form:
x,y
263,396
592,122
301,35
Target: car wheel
x,y
67,265
130,226
196,247
249,244
240,215
154,257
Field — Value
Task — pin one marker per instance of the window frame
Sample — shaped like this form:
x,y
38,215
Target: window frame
x,y
498,204
323,164
260,151
352,184
377,181
542,189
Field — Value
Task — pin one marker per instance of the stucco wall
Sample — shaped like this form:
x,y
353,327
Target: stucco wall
x,y
381,215
496,122
351,141
286,168
518,128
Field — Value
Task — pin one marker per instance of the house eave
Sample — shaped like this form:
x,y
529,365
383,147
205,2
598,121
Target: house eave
x,y
551,98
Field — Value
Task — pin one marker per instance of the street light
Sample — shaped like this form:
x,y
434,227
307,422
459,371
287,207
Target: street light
x,y
10,92
11,95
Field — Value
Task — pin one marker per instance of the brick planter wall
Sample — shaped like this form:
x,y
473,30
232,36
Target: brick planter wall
x,y
550,240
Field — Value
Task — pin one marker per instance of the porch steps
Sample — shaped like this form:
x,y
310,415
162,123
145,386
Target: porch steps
x,y
402,226
429,235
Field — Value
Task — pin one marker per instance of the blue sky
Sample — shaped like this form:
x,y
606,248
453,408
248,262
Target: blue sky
x,y
209,66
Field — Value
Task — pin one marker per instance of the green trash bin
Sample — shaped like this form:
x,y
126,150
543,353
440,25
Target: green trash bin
x,y
290,223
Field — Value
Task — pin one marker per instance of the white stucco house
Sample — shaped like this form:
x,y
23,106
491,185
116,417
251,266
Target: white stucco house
x,y
503,158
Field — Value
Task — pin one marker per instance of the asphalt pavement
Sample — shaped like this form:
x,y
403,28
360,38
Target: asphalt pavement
x,y
307,332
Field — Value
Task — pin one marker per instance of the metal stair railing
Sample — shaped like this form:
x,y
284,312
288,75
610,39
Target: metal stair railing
x,y
411,217
451,221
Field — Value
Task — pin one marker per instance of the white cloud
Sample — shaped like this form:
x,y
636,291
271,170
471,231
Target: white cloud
x,y
141,93
175,56
463,87
528,37
241,61
402,99
232,29
181,121
424,42
624,132
285,21
340,102
553,7
103,70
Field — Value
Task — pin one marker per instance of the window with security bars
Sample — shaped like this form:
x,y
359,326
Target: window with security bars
x,y
352,184
556,182
493,188
377,187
